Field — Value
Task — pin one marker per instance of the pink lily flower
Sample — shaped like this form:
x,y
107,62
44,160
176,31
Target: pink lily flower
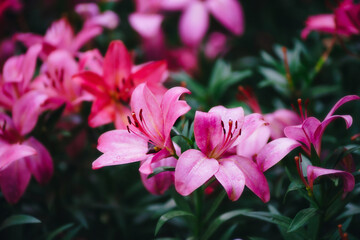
x,y
305,135
344,21
56,80
22,157
60,35
115,86
216,133
16,77
147,138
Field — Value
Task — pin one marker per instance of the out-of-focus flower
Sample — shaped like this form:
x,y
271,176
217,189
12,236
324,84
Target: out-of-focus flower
x,y
16,76
93,17
21,157
216,133
344,21
147,138
56,80
113,88
9,4
305,135
277,120
194,21
216,45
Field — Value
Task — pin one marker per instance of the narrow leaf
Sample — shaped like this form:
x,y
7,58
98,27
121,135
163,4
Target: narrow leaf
x,y
18,220
302,218
167,216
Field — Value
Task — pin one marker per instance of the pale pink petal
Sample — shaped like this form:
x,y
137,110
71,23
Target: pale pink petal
x,y
91,60
121,114
229,114
322,23
192,170
279,120
117,64
208,131
340,103
41,164
174,4
194,23
107,19
87,10
315,172
310,127
249,147
147,25
231,178
27,110
60,34
251,123
229,13
122,141
254,177
173,108
159,183
29,64
14,180
12,69
274,151
119,149
10,153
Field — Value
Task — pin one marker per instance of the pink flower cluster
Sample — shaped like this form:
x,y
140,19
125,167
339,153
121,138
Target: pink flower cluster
x,y
345,21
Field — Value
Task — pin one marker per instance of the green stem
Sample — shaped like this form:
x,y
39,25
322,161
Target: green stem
x,y
198,195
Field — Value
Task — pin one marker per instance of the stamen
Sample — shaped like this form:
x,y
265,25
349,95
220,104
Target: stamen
x,y
340,230
129,120
300,108
287,69
298,161
141,115
236,125
128,129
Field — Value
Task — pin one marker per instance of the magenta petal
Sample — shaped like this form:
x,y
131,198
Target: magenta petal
x,y
13,180
147,25
340,103
254,177
117,64
192,170
27,110
274,151
194,23
28,39
41,164
322,23
315,172
227,114
85,35
29,64
229,13
174,4
252,123
173,108
208,131
144,101
10,153
117,158
159,183
231,178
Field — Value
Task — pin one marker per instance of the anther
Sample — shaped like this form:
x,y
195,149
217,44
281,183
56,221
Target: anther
x,y
140,115
128,129
129,120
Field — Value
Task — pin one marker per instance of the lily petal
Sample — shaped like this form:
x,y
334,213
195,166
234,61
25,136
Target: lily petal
x,y
192,170
146,24
10,153
194,23
231,178
229,13
340,103
274,151
315,172
254,177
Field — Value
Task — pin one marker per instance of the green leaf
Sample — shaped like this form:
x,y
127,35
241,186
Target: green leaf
x,y
18,220
215,205
270,217
56,232
220,220
351,209
192,85
160,170
167,216
229,232
302,218
268,58
295,185
71,234
180,201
